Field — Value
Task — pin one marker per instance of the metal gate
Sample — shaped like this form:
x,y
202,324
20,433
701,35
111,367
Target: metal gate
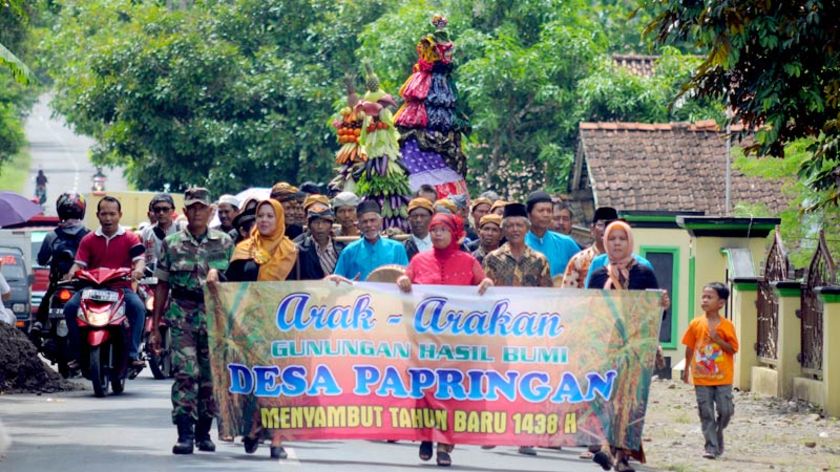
x,y
821,272
776,269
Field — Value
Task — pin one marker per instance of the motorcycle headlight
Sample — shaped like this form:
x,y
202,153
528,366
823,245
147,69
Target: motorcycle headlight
x,y
19,307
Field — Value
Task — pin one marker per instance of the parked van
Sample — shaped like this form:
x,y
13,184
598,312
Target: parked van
x,y
20,281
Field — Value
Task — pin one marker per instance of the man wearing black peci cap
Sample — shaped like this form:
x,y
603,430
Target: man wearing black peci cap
x,y
317,251
515,264
371,251
575,274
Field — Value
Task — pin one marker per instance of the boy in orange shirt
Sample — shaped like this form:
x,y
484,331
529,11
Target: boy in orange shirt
x,y
710,346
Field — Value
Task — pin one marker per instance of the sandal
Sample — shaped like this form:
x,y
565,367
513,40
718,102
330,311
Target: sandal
x,y
425,450
251,444
443,459
603,459
623,466
586,455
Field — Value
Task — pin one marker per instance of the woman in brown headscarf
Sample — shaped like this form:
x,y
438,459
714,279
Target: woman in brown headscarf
x,y
268,255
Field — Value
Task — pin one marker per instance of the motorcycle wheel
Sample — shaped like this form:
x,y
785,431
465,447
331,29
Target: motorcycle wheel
x,y
62,349
63,370
117,383
161,364
98,376
156,365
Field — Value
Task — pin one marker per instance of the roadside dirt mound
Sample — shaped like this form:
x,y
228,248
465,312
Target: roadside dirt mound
x,y
21,370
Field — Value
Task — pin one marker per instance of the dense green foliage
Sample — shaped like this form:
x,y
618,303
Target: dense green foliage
x,y
799,229
15,97
224,94
777,64
239,93
530,71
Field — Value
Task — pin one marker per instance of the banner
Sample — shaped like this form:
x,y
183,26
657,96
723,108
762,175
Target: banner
x,y
517,366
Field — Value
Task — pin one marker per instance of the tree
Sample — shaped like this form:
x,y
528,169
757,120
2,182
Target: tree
x,y
15,98
529,72
223,94
777,65
799,229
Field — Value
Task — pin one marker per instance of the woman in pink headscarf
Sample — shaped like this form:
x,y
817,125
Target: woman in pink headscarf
x,y
622,273
444,264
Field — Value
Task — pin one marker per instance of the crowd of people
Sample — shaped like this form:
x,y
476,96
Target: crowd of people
x,y
302,234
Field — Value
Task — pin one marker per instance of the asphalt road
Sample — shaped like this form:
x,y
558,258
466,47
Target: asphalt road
x,y
75,431
63,155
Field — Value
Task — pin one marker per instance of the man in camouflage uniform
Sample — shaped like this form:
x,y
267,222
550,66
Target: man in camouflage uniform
x,y
189,259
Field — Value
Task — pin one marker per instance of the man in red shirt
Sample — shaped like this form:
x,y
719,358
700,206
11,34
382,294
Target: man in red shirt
x,y
112,247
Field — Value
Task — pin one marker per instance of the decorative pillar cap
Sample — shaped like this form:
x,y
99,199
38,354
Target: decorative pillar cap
x,y
829,294
746,284
787,288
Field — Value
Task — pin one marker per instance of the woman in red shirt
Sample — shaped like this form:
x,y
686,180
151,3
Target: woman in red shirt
x,y
444,264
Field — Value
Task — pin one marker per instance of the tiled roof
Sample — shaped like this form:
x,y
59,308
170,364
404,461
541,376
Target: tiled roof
x,y
668,166
637,64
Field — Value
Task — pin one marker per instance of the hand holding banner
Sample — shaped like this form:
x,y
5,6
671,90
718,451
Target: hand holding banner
x,y
520,366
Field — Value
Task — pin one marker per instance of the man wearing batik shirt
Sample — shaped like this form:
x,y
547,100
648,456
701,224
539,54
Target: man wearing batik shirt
x,y
576,270
515,264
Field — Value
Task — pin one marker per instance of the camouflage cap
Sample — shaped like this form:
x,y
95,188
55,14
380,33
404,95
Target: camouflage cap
x,y
195,195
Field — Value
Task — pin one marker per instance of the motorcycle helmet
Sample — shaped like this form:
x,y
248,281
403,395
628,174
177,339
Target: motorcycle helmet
x,y
70,205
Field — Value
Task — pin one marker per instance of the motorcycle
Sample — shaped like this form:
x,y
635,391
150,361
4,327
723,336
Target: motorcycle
x,y
51,339
41,194
104,329
160,362
98,184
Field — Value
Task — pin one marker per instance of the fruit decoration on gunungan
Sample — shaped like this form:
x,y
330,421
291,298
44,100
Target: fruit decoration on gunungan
x,y
351,157
382,178
430,120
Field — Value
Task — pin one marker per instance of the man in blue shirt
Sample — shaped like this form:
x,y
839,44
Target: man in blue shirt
x,y
371,251
557,248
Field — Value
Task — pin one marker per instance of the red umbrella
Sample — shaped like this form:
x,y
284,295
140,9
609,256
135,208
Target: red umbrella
x,y
16,209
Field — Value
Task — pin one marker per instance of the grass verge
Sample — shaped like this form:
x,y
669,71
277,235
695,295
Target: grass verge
x,y
14,173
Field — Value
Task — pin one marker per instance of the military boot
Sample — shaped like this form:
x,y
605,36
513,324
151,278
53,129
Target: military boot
x,y
186,438
202,435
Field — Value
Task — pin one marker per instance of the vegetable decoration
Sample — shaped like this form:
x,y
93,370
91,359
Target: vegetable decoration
x,y
430,124
380,176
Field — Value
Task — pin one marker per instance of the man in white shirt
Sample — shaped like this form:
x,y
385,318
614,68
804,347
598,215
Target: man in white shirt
x,y
420,211
6,315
